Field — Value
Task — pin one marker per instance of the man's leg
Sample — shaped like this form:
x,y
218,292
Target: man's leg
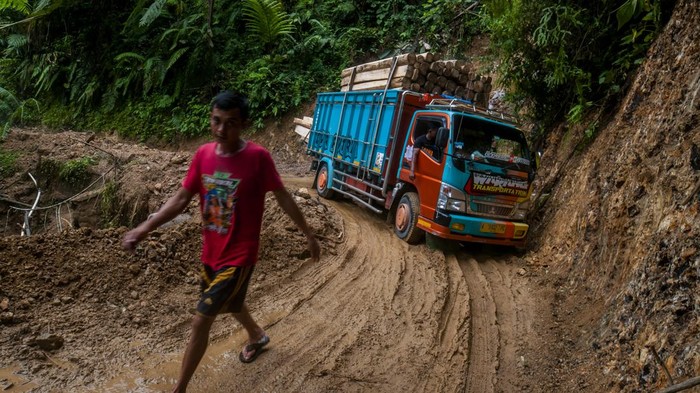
x,y
255,332
199,340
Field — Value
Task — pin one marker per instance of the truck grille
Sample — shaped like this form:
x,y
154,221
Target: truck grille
x,y
491,209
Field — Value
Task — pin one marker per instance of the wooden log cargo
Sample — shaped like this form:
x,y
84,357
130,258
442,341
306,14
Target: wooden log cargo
x,y
423,73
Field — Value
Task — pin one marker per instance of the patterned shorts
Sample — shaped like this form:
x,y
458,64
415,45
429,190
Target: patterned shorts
x,y
223,290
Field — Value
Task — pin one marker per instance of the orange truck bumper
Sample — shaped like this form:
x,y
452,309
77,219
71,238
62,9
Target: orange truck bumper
x,y
445,233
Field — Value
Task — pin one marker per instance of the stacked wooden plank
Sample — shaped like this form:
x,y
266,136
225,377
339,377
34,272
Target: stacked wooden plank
x,y
303,126
423,73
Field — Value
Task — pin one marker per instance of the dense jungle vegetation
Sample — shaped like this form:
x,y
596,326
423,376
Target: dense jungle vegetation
x,y
148,68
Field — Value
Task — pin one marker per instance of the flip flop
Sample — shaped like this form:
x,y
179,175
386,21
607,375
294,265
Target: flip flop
x,y
255,348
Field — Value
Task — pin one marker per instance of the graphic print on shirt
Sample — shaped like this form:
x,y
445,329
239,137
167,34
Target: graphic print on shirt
x,y
219,202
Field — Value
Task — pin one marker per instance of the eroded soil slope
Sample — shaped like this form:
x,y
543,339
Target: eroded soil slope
x,y
621,225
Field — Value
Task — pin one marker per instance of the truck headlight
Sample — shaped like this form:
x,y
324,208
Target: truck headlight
x,y
521,211
520,214
451,199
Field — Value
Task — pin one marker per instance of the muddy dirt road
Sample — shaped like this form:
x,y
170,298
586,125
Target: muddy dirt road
x,y
375,314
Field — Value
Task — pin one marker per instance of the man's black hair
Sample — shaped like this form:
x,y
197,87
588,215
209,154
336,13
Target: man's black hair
x,y
227,100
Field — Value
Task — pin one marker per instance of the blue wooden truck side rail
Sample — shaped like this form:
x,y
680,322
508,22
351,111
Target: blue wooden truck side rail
x,y
350,134
353,127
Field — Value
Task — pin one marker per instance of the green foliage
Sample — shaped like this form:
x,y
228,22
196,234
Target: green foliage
x,y
589,133
633,8
267,21
562,57
152,13
447,26
190,121
149,68
21,6
8,162
109,205
31,9
13,111
15,43
151,119
76,173
576,113
58,116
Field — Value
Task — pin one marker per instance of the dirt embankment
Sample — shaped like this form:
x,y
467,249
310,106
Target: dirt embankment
x,y
622,228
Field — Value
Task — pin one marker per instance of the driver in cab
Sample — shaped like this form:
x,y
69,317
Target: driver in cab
x,y
427,141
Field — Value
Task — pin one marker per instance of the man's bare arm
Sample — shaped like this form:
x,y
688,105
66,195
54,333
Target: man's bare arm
x,y
174,206
286,202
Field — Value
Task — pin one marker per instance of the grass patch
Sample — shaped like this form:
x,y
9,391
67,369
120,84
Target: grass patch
x,y
76,173
109,205
8,162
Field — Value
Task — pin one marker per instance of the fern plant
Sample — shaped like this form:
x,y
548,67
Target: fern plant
x,y
12,110
267,21
17,5
152,13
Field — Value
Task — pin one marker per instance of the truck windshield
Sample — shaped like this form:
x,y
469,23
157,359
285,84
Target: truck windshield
x,y
487,141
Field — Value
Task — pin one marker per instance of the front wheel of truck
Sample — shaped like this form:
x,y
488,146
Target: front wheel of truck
x,y
407,218
322,182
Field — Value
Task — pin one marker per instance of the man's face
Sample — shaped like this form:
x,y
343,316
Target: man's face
x,y
432,132
226,126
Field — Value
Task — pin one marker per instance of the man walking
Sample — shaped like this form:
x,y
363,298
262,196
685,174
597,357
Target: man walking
x,y
231,177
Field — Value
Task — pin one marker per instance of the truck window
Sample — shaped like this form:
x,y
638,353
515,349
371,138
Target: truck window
x,y
421,128
424,124
487,141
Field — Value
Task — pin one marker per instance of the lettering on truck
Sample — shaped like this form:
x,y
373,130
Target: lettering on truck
x,y
498,185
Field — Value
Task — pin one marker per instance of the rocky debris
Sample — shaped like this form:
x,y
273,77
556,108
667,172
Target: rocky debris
x,y
6,317
47,342
5,384
81,286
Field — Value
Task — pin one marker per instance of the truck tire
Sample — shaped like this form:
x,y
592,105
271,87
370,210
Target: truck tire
x,y
322,183
407,218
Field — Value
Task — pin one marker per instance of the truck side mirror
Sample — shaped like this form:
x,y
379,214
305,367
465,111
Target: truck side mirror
x,y
443,135
535,159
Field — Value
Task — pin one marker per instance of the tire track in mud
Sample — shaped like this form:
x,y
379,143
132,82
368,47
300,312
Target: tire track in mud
x,y
501,323
501,279
483,334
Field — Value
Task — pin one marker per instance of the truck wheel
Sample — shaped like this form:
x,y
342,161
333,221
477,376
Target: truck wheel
x,y
407,218
322,183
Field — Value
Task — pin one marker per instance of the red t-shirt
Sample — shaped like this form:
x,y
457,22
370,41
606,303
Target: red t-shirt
x,y
232,200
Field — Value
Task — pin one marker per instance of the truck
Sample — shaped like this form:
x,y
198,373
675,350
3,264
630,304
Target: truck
x,y
473,185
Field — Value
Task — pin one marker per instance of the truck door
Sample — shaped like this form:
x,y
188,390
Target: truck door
x,y
429,164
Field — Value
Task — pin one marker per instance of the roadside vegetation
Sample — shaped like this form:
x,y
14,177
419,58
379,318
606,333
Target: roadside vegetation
x,y
8,161
148,68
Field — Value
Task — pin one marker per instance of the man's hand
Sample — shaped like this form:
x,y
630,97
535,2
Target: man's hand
x,y
411,175
172,207
132,238
290,207
314,247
